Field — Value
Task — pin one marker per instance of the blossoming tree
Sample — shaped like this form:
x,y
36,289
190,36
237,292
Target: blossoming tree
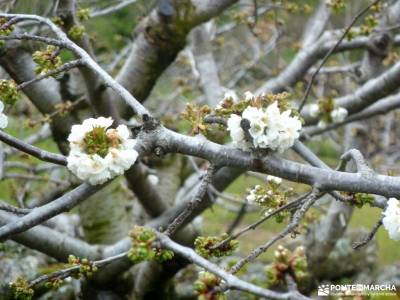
x,y
107,176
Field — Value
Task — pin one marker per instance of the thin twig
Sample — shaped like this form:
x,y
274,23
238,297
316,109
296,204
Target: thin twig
x,y
232,282
67,272
111,9
35,178
239,217
369,237
36,38
193,203
41,134
32,150
262,220
15,210
297,217
211,119
64,67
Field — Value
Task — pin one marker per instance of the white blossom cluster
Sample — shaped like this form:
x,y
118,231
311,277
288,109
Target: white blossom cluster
x,y
337,115
3,117
255,195
391,219
258,195
269,128
117,150
274,179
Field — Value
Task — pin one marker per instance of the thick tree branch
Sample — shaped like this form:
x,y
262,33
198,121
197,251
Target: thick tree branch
x,y
51,242
45,212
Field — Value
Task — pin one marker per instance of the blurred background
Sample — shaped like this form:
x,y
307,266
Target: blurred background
x,y
247,51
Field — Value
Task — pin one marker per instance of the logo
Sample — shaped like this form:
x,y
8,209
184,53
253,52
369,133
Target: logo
x,y
356,289
323,290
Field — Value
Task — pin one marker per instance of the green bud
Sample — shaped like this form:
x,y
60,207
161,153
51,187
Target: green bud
x,y
205,286
205,246
47,60
142,246
83,14
195,114
76,32
57,20
162,255
8,91
21,289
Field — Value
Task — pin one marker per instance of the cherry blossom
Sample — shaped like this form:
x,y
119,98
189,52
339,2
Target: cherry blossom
x,y
3,117
269,128
391,219
98,152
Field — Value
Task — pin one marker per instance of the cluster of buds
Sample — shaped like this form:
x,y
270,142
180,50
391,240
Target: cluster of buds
x,y
377,7
229,105
76,32
206,287
83,14
60,109
195,115
336,5
359,199
57,20
351,34
293,7
54,283
270,197
143,246
288,262
86,267
47,60
21,289
5,29
370,22
204,245
283,100
8,91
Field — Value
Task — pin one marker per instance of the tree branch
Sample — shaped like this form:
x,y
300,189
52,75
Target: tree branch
x,y
32,150
45,212
231,281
